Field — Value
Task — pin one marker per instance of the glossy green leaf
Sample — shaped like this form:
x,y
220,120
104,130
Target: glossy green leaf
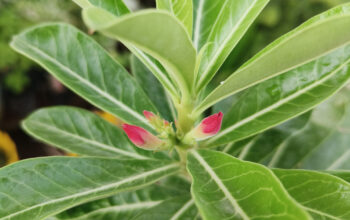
x,y
181,208
117,8
314,38
127,205
153,89
38,188
317,140
218,27
82,132
182,9
286,96
227,188
83,66
157,33
322,195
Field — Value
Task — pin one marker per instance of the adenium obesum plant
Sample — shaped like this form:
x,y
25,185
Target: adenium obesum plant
x,y
250,147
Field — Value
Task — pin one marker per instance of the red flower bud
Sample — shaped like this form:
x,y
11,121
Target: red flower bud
x,y
149,115
208,127
142,138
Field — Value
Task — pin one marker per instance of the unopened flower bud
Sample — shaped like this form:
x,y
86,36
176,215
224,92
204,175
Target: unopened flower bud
x,y
142,138
149,115
208,127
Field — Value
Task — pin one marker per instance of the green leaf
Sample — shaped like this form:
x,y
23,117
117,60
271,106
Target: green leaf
x,y
172,209
153,89
227,188
116,7
127,205
286,96
343,174
314,38
218,27
38,188
157,33
82,132
83,66
322,195
316,140
182,9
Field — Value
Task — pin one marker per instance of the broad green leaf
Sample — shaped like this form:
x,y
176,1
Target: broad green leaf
x,y
157,33
83,66
343,174
316,37
127,205
227,188
333,152
172,209
182,9
317,140
153,89
116,7
218,27
286,96
82,132
322,195
38,188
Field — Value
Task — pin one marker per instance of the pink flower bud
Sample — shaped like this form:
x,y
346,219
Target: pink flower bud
x,y
208,127
149,115
142,138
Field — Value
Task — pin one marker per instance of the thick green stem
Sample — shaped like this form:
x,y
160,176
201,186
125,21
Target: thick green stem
x,y
185,121
183,161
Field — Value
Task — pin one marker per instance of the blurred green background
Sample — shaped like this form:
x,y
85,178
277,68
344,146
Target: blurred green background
x,y
24,86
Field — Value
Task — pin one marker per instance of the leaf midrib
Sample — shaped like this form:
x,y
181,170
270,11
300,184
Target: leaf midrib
x,y
95,190
220,184
120,208
89,141
223,44
182,210
279,103
262,54
76,75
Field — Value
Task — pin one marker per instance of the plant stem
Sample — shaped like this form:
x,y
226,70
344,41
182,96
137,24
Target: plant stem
x,y
185,120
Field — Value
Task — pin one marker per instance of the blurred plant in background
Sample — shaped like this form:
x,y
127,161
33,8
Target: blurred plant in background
x,y
17,15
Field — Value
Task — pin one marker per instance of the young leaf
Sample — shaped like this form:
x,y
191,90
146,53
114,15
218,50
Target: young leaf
x,y
127,205
153,89
182,9
157,33
227,188
172,209
118,8
38,188
313,39
218,27
81,132
82,65
288,95
322,195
